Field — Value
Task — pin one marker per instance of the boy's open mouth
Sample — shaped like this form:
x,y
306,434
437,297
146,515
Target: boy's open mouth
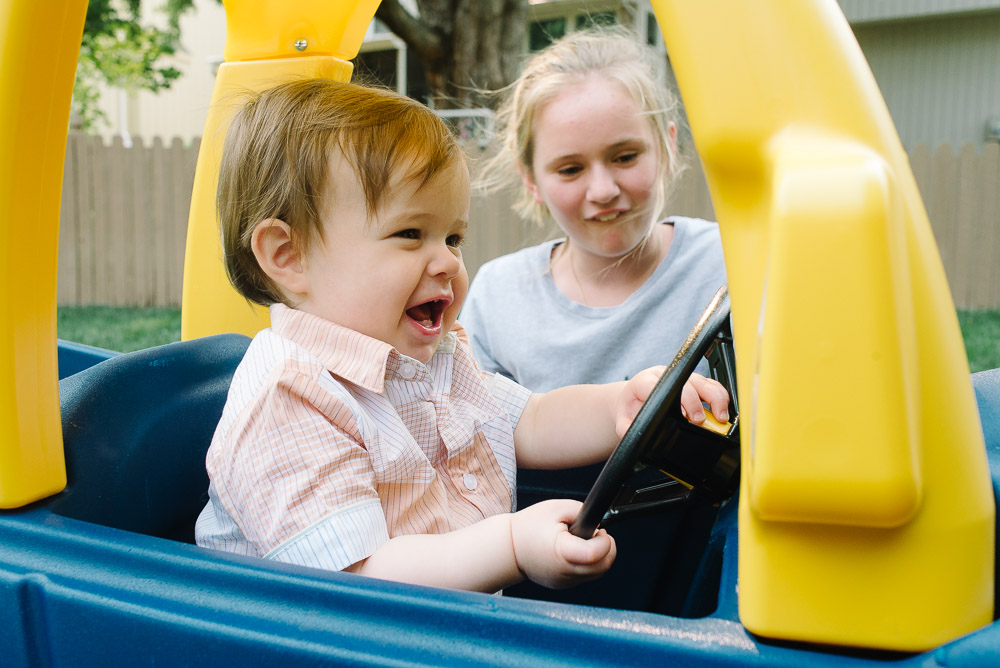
x,y
429,313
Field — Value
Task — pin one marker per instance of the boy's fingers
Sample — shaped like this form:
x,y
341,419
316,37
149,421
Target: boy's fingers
x,y
592,551
691,404
720,408
714,393
640,388
647,381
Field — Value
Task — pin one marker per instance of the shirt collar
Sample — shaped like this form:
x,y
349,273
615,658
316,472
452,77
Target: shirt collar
x,y
355,357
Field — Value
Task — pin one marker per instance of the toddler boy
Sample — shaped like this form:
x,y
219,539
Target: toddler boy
x,y
358,433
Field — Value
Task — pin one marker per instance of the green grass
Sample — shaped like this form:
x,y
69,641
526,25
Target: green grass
x,y
125,329
119,328
981,331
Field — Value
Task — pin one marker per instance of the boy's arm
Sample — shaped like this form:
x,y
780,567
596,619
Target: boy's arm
x,y
569,426
581,424
497,552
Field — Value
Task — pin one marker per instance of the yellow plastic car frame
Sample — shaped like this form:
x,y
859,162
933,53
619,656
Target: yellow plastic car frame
x,y
865,523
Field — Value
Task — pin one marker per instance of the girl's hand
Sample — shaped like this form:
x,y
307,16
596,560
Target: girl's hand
x,y
697,389
547,553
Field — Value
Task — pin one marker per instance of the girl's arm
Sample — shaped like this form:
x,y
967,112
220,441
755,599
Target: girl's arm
x,y
497,552
581,424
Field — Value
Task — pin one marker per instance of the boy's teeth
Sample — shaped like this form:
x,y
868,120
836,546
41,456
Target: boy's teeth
x,y
427,323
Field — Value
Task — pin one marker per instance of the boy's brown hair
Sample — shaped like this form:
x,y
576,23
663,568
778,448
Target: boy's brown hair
x,y
276,159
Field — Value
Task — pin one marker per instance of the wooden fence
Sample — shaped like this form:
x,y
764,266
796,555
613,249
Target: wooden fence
x,y
124,220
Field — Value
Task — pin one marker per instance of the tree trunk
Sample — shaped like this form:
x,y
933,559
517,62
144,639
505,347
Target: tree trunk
x,y
466,46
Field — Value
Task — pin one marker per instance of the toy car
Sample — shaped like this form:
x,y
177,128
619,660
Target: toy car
x,y
860,535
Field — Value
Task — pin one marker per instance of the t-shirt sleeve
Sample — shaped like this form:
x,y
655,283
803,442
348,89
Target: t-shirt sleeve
x,y
296,477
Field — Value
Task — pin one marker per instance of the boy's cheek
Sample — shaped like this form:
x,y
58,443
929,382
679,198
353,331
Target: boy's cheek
x,y
459,290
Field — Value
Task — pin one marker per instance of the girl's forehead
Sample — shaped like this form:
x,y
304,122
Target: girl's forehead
x,y
587,104
594,94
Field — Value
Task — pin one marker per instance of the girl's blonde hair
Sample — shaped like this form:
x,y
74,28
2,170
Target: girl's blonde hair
x,y
276,159
613,53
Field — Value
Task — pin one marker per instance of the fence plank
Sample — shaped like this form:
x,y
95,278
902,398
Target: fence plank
x,y
130,214
67,291
972,234
990,222
159,202
143,226
183,162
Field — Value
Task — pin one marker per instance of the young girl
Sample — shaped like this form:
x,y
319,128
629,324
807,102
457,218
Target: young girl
x,y
589,136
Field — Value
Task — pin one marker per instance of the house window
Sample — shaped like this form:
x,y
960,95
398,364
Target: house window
x,y
600,19
377,67
652,30
544,32
382,67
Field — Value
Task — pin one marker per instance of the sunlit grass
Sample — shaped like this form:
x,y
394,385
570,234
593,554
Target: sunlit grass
x,y
981,331
119,328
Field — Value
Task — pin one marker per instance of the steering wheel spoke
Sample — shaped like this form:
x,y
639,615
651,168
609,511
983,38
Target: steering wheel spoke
x,y
637,500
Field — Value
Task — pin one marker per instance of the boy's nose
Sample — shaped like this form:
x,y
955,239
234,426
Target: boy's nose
x,y
602,186
446,261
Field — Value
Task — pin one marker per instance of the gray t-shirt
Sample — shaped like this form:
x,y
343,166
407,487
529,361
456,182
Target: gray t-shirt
x,y
522,326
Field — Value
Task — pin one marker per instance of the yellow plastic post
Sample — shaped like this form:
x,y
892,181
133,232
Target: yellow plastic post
x,y
866,511
37,65
267,42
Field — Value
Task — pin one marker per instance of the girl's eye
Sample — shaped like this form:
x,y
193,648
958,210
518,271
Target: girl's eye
x,y
626,158
411,233
455,240
568,171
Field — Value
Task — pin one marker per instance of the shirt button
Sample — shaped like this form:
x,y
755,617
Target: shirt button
x,y
407,371
470,481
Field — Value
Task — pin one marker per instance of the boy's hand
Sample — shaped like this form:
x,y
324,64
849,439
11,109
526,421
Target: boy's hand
x,y
547,553
635,393
696,389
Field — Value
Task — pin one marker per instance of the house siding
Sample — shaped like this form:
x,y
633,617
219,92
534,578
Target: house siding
x,y
941,78
864,11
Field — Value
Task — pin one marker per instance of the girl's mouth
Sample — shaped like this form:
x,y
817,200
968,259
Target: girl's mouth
x,y
429,314
607,216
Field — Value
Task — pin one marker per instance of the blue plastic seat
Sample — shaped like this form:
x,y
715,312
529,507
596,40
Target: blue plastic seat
x,y
136,428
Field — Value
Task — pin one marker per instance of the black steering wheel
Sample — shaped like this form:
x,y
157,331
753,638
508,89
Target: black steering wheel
x,y
697,461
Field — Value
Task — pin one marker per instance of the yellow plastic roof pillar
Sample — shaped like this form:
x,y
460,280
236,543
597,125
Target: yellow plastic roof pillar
x,y
866,511
267,42
40,43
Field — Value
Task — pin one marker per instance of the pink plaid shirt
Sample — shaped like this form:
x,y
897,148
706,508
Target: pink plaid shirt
x,y
332,442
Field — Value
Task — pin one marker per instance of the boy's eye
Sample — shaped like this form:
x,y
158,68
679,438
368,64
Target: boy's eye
x,y
411,233
455,240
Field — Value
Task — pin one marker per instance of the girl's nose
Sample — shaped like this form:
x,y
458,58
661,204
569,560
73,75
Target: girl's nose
x,y
602,186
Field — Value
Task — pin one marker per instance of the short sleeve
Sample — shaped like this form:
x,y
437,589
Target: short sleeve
x,y
296,477
511,396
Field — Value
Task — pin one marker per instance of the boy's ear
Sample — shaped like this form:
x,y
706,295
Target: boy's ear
x,y
529,182
278,255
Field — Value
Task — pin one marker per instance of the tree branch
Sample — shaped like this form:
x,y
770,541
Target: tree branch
x,y
427,43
